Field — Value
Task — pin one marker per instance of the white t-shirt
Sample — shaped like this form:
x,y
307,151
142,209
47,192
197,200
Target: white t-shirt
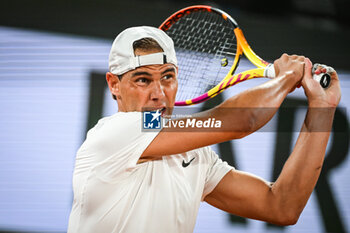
x,y
112,193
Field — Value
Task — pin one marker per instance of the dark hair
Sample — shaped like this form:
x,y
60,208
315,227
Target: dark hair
x,y
144,44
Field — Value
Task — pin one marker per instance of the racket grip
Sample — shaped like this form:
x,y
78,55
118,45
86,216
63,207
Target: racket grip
x,y
324,79
270,71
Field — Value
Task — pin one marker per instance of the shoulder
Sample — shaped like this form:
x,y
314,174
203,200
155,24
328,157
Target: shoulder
x,y
122,130
119,120
121,117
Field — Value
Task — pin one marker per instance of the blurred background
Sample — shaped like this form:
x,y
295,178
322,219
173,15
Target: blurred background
x,y
53,60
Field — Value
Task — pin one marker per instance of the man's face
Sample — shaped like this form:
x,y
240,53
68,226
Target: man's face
x,y
146,88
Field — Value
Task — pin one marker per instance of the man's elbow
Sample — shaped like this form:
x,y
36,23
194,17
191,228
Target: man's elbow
x,y
287,219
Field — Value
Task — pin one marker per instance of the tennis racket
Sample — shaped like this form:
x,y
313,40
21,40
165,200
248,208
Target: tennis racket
x,y
209,45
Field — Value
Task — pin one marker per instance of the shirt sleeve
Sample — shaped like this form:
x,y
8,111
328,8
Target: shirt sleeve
x,y
116,144
216,171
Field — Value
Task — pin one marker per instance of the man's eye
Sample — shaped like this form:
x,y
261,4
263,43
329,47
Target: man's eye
x,y
167,77
142,80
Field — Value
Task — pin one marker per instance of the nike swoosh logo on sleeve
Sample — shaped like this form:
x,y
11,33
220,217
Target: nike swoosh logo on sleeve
x,y
184,164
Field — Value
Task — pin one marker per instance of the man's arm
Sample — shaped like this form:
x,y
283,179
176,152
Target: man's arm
x,y
240,115
283,201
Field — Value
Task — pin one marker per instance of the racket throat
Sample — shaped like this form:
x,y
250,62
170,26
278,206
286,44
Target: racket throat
x,y
236,61
247,50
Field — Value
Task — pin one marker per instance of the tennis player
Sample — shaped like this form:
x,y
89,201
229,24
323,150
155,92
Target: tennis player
x,y
128,180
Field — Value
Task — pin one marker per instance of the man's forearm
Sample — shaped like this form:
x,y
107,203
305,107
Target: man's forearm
x,y
302,169
257,105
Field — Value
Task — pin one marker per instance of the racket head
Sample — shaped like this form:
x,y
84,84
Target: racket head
x,y
206,48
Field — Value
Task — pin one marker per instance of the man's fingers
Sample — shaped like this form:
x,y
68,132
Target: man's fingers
x,y
321,68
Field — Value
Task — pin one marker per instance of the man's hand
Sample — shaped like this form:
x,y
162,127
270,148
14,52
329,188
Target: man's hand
x,y
318,96
291,67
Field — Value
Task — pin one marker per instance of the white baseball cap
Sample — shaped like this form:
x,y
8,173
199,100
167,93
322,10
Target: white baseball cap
x,y
122,58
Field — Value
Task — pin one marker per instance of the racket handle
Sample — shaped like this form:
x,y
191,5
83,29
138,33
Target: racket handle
x,y
324,79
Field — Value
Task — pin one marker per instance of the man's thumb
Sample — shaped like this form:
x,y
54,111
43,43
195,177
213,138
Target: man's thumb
x,y
308,68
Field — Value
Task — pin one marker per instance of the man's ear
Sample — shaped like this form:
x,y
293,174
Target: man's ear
x,y
113,84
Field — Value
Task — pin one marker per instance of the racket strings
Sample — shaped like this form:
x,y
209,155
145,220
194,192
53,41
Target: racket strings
x,y
202,39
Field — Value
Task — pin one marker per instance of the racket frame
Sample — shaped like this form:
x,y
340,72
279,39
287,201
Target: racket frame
x,y
242,48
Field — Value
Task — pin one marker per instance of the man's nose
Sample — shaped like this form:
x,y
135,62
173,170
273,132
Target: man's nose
x,y
157,91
